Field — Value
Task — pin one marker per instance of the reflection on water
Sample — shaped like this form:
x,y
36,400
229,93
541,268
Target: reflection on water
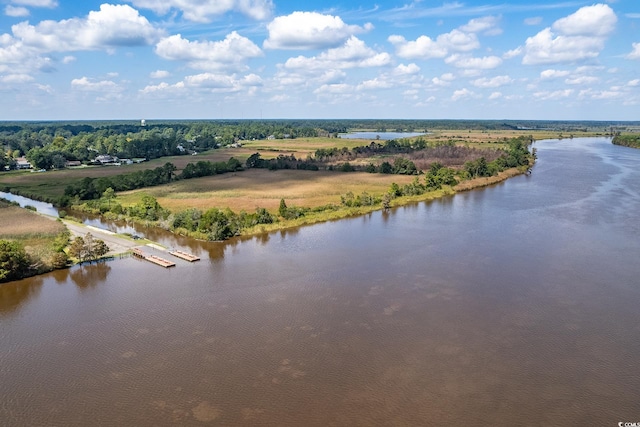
x,y
13,294
514,305
90,275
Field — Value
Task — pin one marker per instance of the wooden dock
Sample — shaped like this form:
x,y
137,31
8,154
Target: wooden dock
x,y
184,255
153,258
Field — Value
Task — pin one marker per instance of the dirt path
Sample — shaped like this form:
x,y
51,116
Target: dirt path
x,y
117,244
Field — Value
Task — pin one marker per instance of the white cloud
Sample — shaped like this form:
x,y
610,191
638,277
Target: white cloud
x,y
536,20
205,10
159,74
37,3
230,53
406,69
580,36
553,74
634,83
354,53
582,80
162,88
90,85
206,82
598,20
487,25
443,80
553,95
309,30
468,62
16,78
16,12
374,84
461,94
112,26
495,95
334,89
635,53
492,82
513,53
426,48
68,59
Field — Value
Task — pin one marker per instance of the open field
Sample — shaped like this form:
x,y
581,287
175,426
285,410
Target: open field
x,y
263,188
50,185
19,224
36,233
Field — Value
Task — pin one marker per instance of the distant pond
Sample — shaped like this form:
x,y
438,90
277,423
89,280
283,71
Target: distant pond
x,y
385,136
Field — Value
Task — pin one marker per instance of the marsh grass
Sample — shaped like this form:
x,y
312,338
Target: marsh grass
x,y
262,188
38,234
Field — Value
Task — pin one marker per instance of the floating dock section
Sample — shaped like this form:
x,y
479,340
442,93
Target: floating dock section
x,y
184,255
153,258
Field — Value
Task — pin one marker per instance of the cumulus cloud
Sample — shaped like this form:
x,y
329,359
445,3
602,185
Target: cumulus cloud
x,y
16,78
496,81
634,83
635,53
111,26
468,62
426,48
374,84
159,74
205,10
443,80
495,95
103,90
230,53
461,39
553,95
206,82
553,74
461,94
487,25
354,53
16,12
582,80
406,69
598,20
309,30
577,37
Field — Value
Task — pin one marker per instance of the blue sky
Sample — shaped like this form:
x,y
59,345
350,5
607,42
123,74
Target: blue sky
x,y
245,59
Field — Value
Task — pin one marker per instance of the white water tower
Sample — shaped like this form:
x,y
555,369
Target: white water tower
x,y
143,122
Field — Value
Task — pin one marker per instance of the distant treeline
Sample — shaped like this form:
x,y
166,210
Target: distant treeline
x,y
94,188
627,140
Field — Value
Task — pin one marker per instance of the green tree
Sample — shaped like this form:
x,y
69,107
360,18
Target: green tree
x,y
282,210
109,194
14,261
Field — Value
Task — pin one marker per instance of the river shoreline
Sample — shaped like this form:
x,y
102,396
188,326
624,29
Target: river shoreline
x,y
123,244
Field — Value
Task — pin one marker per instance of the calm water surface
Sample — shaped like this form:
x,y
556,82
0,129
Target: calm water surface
x,y
514,305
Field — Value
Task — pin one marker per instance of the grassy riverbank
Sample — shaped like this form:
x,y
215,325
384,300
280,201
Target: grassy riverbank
x,y
36,243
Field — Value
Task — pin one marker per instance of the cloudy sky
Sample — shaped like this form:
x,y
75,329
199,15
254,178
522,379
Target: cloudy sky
x,y
223,59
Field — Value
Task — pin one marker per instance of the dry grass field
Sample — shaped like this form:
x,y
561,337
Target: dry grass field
x,y
35,233
20,224
263,188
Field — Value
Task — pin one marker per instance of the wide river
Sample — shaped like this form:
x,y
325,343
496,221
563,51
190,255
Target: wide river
x,y
517,304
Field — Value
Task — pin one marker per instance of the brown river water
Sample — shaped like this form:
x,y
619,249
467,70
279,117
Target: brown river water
x,y
518,304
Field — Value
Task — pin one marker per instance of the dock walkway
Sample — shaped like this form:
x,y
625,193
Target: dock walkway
x,y
153,258
184,255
